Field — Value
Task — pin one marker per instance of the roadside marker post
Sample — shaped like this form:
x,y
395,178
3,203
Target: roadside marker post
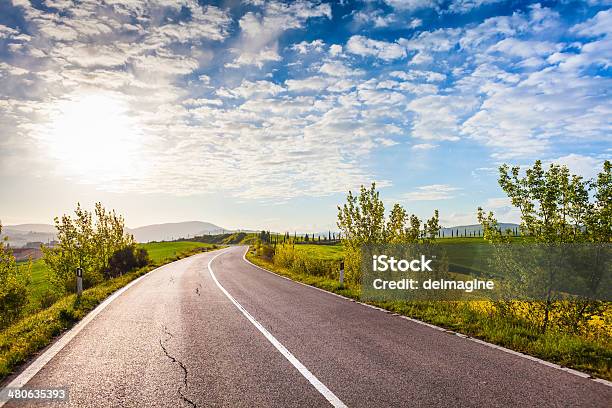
x,y
341,272
79,276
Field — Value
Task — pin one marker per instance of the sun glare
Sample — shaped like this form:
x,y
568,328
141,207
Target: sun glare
x,y
94,136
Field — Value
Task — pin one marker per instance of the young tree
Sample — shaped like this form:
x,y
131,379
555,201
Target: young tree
x,y
85,244
432,227
556,208
362,222
362,218
396,231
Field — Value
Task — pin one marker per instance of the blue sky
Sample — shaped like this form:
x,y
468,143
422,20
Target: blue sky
x,y
262,114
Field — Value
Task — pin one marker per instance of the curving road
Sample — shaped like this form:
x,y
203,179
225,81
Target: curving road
x,y
234,335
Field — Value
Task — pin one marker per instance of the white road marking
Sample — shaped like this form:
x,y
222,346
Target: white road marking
x,y
26,375
326,392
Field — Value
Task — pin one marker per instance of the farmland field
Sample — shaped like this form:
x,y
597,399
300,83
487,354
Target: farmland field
x,y
158,252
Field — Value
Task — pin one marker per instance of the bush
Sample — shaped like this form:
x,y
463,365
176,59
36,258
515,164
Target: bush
x,y
13,298
48,298
13,286
125,260
287,257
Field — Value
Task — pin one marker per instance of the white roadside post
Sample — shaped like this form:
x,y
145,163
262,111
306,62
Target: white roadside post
x,y
341,273
79,276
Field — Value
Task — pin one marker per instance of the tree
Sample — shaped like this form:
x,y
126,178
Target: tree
x,y
362,222
13,285
396,231
560,208
598,220
432,227
361,219
85,244
554,205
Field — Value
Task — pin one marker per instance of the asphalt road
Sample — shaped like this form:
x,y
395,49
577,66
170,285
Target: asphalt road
x,y
175,339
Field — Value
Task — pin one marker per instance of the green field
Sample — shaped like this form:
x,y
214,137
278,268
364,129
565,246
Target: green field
x,y
159,252
467,254
323,252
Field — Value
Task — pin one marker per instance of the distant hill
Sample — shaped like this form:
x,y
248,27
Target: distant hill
x,y
22,234
467,230
40,228
233,238
174,230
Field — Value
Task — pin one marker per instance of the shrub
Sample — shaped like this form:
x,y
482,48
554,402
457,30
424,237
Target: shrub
x,y
125,260
48,298
13,286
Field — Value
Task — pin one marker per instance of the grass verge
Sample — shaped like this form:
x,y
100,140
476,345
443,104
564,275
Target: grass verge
x,y
23,339
564,349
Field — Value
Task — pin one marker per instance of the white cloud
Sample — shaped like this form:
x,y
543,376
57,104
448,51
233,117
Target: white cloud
x,y
431,192
249,89
258,58
525,49
364,46
585,166
258,43
424,146
315,83
335,50
338,69
600,24
438,117
412,5
464,6
305,47
376,18
413,75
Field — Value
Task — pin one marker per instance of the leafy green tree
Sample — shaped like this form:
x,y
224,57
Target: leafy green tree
x,y
362,218
559,208
86,244
13,285
598,219
362,222
396,231
554,205
432,227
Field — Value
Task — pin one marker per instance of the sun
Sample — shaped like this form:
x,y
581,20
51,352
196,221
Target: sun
x,y
94,136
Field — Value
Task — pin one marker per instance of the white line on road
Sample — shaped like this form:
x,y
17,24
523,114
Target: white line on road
x,y
326,392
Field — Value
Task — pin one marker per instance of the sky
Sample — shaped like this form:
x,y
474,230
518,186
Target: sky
x,y
263,114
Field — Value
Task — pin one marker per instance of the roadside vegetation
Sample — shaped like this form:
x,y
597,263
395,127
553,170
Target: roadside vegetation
x,y
556,208
38,300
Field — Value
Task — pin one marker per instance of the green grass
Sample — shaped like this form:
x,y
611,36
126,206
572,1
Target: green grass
x,y
24,338
159,251
323,252
569,350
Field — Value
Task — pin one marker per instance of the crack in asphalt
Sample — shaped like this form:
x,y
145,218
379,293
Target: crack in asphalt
x,y
180,363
